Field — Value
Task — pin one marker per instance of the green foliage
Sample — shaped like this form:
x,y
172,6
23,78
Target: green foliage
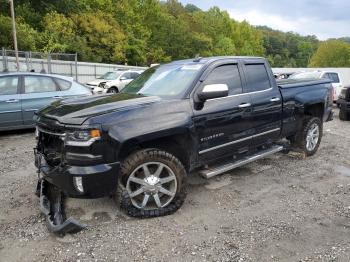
x,y
288,49
141,32
332,53
26,36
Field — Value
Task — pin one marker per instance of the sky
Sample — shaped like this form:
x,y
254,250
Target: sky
x,y
323,18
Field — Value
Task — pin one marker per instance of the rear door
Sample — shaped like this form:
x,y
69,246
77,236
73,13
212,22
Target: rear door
x,y
266,103
10,103
223,124
37,92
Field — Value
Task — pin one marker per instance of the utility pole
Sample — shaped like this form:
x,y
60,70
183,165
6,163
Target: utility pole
x,y
14,32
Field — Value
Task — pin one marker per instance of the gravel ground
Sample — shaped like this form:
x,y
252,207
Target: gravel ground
x,y
282,208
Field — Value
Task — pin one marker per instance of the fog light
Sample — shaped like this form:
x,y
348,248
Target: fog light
x,y
78,183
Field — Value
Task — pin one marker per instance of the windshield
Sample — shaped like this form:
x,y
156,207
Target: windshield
x,y
306,75
110,76
165,80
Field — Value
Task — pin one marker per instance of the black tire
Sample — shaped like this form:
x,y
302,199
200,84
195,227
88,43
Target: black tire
x,y
113,90
131,163
343,115
300,139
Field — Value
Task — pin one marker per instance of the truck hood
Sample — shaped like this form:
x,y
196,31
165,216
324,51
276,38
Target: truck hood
x,y
77,111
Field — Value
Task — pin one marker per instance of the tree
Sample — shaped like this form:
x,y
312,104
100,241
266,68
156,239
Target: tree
x,y
332,53
27,37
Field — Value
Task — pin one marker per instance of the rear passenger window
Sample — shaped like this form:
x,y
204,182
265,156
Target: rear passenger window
x,y
63,84
226,74
39,84
257,78
8,85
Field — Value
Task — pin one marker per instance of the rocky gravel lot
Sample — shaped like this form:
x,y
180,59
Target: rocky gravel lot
x,y
282,208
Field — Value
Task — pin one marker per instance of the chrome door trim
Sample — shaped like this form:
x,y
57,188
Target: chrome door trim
x,y
242,94
223,145
31,110
267,132
238,141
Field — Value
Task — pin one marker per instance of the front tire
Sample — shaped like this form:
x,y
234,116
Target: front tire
x,y
152,184
309,138
113,90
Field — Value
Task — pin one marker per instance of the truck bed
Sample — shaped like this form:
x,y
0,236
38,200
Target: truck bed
x,y
292,83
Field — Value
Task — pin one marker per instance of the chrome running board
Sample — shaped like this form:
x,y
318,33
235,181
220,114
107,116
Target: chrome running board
x,y
217,170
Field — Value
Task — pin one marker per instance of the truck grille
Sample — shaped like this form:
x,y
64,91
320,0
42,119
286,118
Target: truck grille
x,y
51,145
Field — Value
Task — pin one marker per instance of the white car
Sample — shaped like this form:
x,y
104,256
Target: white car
x,y
333,76
118,83
102,80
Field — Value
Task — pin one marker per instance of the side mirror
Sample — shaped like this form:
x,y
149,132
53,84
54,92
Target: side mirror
x,y
213,91
123,78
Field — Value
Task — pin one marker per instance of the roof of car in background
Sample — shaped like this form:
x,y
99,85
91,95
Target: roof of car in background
x,y
67,78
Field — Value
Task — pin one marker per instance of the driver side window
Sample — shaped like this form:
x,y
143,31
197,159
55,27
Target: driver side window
x,y
226,74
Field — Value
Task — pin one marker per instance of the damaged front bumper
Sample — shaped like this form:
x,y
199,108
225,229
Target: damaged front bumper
x,y
54,184
52,206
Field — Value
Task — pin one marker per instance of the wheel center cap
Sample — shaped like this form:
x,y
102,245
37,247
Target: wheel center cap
x,y
152,180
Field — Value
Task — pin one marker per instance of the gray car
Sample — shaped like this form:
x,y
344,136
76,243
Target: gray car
x,y
22,94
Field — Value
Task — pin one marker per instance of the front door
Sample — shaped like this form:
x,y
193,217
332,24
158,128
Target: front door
x,y
223,125
266,104
10,103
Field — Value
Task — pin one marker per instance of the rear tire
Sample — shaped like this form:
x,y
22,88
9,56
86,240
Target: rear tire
x,y
309,138
152,184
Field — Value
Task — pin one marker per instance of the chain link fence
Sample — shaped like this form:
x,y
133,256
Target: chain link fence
x,y
52,63
56,63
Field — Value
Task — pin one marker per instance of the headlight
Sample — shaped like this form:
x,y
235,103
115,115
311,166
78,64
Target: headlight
x,y
83,137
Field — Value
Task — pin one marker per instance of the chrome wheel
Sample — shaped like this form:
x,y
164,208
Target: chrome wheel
x,y
151,185
312,137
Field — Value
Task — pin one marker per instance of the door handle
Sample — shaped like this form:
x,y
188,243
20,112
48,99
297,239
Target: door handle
x,y
12,101
244,105
57,97
275,99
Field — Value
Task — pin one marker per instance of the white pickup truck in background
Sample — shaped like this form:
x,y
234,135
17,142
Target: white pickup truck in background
x,y
318,74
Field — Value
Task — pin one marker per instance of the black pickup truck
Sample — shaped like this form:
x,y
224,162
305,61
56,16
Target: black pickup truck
x,y
204,115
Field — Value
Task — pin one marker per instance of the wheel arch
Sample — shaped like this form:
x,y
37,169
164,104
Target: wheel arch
x,y
316,110
114,87
176,145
